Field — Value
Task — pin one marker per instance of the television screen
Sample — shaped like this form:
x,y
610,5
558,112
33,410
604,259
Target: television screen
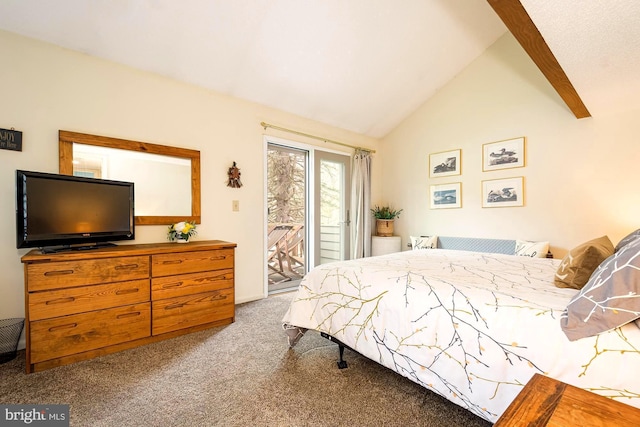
x,y
65,210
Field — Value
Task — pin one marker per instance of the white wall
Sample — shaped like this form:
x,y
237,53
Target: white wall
x,y
581,176
46,88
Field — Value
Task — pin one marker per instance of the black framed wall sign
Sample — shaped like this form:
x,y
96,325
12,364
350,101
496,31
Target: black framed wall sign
x,y
10,139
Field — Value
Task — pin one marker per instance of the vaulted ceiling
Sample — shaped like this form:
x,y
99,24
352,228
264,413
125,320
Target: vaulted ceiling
x,y
362,65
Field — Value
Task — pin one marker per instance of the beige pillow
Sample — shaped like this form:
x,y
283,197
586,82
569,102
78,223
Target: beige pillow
x,y
578,265
610,297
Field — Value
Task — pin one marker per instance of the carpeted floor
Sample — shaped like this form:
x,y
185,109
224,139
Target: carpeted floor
x,y
243,374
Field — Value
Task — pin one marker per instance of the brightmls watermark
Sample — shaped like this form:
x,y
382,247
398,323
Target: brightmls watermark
x,y
34,415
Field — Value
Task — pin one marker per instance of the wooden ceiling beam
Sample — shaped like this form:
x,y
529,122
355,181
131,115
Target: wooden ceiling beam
x,y
519,23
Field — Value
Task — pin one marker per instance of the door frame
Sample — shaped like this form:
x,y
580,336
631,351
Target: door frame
x,y
310,226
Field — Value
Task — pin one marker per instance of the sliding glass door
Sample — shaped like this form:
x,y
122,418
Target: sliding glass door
x,y
286,216
331,193
307,200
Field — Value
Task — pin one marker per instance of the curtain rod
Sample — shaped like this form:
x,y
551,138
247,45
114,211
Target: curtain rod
x,y
267,125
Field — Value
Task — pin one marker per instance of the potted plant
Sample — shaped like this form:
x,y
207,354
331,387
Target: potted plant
x,y
385,216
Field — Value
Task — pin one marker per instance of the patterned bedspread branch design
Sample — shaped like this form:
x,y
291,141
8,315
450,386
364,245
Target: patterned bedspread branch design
x,y
480,330
600,351
614,393
408,367
353,305
472,327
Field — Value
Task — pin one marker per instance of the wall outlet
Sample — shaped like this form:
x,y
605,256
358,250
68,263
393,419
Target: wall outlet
x,y
235,205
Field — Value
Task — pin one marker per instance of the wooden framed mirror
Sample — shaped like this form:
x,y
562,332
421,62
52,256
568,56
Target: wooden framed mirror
x,y
161,173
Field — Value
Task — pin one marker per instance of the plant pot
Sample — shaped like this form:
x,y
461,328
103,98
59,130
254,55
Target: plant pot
x,y
181,241
384,227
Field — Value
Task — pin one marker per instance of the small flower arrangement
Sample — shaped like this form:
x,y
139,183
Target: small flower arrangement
x,y
181,231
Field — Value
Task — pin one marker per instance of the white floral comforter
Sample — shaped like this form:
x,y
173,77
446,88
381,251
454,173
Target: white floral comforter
x,y
473,327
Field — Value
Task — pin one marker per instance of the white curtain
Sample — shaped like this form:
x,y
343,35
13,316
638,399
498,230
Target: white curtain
x,y
361,205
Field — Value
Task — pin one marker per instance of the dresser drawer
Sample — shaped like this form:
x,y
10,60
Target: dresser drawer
x,y
191,262
192,283
192,310
77,333
66,274
62,302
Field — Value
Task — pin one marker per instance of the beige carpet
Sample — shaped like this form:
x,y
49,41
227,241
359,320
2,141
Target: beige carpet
x,y
243,374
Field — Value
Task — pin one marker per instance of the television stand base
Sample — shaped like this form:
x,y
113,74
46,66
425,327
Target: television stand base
x,y
66,248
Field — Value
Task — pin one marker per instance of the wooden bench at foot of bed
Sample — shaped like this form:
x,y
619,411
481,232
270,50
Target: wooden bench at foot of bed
x,y
545,401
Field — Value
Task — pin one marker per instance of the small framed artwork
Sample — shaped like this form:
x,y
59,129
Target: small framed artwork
x,y
505,154
505,192
446,196
446,163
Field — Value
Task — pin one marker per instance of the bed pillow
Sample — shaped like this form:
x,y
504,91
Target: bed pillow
x,y
532,249
424,242
610,299
627,239
581,261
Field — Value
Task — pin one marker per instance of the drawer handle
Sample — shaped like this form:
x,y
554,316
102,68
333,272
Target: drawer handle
x,y
171,285
127,291
174,261
216,258
172,306
67,326
126,267
125,315
60,300
58,272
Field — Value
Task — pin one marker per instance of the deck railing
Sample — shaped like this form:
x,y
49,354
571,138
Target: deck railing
x,y
286,250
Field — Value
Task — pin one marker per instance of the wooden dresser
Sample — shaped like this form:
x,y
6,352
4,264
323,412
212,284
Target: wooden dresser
x,y
547,402
83,304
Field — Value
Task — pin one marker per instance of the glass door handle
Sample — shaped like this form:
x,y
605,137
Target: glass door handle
x,y
347,222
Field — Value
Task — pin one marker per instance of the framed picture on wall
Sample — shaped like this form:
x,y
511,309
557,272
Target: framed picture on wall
x,y
502,193
505,154
446,196
446,163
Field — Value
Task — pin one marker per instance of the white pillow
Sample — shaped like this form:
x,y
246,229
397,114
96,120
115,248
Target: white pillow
x,y
532,249
424,242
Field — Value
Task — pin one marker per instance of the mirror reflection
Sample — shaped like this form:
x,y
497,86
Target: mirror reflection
x,y
167,179
162,183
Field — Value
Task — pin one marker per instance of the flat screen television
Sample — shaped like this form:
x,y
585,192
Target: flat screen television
x,y
62,212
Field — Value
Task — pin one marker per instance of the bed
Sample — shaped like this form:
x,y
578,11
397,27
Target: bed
x,y
471,325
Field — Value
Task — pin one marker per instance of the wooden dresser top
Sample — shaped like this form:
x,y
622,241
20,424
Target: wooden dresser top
x,y
127,250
